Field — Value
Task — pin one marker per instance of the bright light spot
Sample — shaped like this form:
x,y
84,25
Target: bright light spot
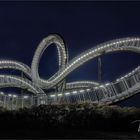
x,y
14,96
81,90
107,84
1,93
121,78
26,97
117,80
52,95
95,87
101,86
74,92
129,74
60,94
88,89
67,93
9,95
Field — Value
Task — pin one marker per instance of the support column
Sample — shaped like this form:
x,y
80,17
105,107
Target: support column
x,y
31,100
22,102
125,84
16,102
135,79
12,102
114,89
4,101
99,69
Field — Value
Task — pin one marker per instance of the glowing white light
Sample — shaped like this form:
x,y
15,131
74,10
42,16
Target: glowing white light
x,y
67,93
52,95
81,90
101,86
1,93
60,94
107,84
133,71
9,95
74,92
14,96
88,89
125,76
117,80
26,97
95,87
129,73
121,78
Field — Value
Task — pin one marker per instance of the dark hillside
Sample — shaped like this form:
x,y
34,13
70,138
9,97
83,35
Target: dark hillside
x,y
50,121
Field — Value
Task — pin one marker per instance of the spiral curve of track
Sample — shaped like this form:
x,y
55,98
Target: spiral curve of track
x,y
37,85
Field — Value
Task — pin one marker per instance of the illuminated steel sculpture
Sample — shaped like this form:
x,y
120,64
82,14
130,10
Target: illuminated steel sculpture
x,y
78,91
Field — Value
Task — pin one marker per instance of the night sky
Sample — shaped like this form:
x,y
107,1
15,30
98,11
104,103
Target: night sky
x,y
82,25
